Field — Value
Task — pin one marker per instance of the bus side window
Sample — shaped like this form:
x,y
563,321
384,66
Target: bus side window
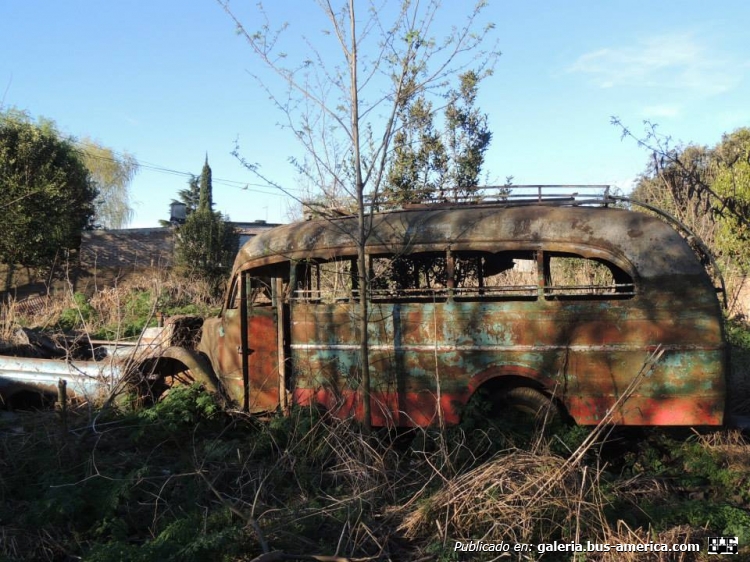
x,y
410,277
326,281
233,302
259,291
259,282
496,276
570,276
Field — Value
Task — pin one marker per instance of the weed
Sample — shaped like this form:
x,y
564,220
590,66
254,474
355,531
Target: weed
x,y
738,335
77,314
184,407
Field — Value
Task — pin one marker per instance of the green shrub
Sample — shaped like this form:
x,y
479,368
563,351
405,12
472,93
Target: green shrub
x,y
80,311
182,408
738,334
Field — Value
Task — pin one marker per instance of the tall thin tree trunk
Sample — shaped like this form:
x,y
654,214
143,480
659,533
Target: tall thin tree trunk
x,y
364,354
9,275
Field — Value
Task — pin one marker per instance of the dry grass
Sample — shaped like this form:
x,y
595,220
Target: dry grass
x,y
523,497
309,484
506,499
132,299
730,447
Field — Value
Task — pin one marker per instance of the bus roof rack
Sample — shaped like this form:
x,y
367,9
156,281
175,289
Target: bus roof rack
x,y
514,196
485,195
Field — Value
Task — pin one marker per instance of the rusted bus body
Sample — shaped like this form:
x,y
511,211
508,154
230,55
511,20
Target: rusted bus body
x,y
478,319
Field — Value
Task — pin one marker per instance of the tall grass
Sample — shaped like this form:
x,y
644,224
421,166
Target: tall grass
x,y
184,480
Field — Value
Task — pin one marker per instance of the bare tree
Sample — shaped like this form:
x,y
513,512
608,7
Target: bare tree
x,y
343,109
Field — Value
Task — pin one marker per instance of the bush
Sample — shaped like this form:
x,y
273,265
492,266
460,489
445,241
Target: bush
x,y
77,315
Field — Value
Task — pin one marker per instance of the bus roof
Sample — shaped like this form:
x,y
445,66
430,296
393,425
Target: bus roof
x,y
637,242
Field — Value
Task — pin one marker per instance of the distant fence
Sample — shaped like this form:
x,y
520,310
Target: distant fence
x,y
32,305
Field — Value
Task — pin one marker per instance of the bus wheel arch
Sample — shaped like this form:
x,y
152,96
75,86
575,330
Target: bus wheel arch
x,y
176,366
522,395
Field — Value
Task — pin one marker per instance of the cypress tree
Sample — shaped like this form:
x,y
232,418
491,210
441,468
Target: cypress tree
x,y
207,242
206,201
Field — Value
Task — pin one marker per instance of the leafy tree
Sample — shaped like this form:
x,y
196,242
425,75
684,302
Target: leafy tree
x,y
708,189
111,175
46,193
345,106
731,182
205,193
468,136
419,166
191,195
432,165
207,242
677,188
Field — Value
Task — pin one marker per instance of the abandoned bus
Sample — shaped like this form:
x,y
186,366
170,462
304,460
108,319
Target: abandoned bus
x,y
536,302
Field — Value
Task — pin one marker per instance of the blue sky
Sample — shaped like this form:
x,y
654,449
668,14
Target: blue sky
x,y
169,81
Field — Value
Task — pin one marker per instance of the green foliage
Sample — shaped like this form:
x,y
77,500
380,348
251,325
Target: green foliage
x,y
738,335
567,439
419,166
134,478
468,135
727,520
433,165
192,195
205,195
207,243
732,184
708,189
135,486
139,304
136,312
46,192
127,315
688,462
184,407
699,486
75,316
206,246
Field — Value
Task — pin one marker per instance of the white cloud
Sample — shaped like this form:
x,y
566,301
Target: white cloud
x,y
662,111
625,185
677,62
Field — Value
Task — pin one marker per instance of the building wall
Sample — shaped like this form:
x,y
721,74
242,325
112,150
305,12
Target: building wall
x,y
143,247
131,247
